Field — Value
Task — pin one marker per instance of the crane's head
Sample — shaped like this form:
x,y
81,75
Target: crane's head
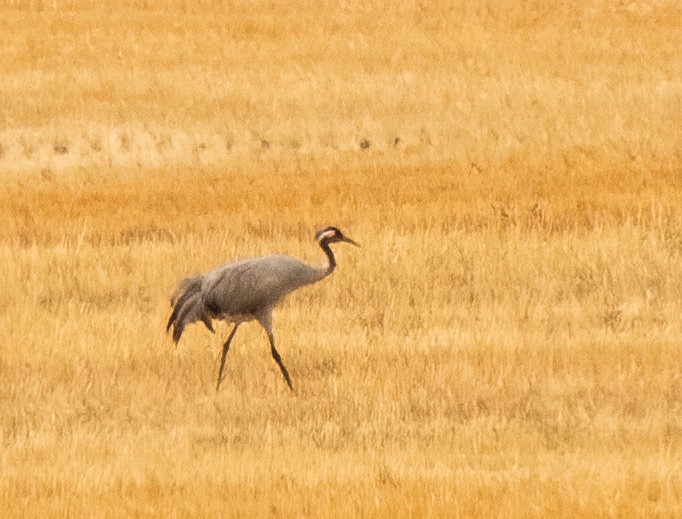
x,y
333,235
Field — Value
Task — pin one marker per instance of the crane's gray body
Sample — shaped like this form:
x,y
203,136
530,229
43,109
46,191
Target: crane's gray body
x,y
250,289
246,290
239,291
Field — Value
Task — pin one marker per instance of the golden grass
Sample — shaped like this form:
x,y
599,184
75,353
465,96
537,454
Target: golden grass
x,y
489,87
507,341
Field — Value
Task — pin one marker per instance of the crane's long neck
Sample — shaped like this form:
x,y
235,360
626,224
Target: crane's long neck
x,y
330,256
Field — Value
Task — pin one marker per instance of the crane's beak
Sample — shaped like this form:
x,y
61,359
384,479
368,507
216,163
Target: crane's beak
x,y
348,240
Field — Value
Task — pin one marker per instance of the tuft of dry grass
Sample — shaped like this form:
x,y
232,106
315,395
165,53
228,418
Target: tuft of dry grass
x,y
506,342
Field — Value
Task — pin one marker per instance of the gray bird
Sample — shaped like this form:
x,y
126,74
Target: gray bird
x,y
247,290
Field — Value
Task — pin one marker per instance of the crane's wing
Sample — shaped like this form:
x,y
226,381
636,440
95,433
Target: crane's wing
x,y
250,286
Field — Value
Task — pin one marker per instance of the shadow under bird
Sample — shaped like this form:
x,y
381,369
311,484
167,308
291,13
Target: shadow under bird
x,y
248,290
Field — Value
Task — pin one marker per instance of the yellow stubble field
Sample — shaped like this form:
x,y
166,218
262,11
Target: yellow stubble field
x,y
505,343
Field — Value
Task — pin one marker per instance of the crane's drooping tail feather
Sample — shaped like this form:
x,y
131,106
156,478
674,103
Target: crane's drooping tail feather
x,y
185,289
187,307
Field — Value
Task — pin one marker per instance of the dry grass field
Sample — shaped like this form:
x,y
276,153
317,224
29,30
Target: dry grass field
x,y
507,343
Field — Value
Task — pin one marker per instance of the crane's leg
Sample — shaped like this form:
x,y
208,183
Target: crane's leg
x,y
278,360
265,320
226,348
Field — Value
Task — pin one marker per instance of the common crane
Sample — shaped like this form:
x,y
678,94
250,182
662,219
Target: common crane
x,y
248,290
